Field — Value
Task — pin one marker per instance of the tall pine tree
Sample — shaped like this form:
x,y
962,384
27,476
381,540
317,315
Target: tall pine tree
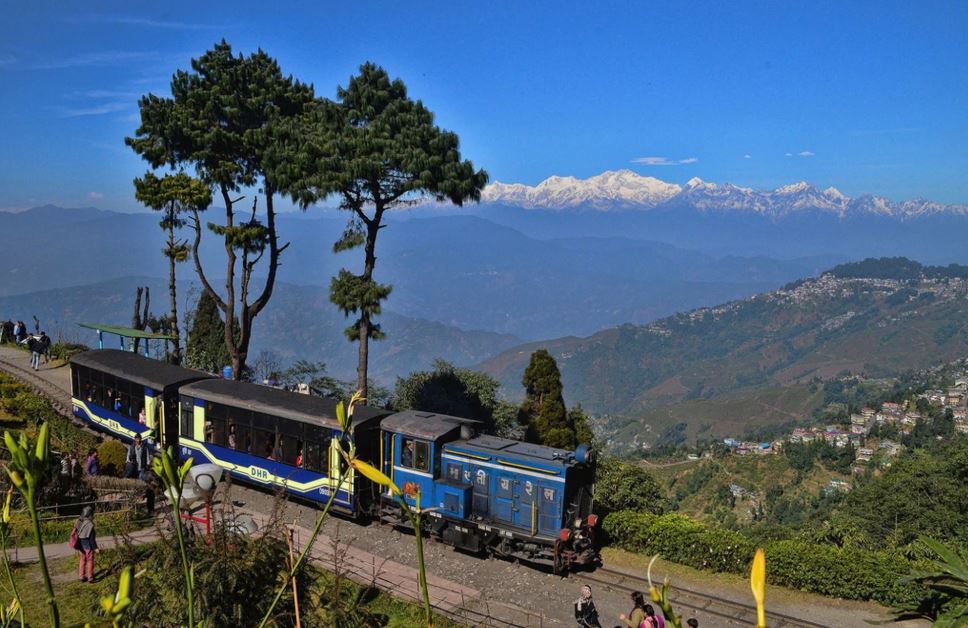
x,y
173,195
223,118
375,149
543,411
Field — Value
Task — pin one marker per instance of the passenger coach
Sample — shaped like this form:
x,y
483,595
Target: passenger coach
x,y
112,390
277,438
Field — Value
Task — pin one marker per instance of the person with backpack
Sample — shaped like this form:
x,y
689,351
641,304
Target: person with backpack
x,y
635,619
34,346
651,619
45,344
586,615
84,540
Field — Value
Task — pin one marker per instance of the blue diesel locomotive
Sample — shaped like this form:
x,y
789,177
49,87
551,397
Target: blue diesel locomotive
x,y
483,493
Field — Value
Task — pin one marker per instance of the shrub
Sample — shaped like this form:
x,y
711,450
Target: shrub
x,y
625,486
112,454
821,568
67,350
29,407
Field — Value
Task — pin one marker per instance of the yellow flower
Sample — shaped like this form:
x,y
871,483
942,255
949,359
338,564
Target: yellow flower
x,y
6,505
758,585
374,475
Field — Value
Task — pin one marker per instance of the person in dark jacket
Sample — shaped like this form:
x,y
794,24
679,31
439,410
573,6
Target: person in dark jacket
x,y
87,544
34,346
136,464
586,615
45,344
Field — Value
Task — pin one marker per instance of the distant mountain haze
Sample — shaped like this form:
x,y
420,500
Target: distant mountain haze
x,y
298,324
461,271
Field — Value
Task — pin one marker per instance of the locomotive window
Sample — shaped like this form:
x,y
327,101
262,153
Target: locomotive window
x,y
453,472
421,458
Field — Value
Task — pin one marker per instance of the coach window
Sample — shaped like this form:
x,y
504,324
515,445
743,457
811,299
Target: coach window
x,y
263,435
187,417
215,416
290,441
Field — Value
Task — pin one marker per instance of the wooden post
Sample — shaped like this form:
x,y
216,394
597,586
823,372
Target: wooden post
x,y
292,561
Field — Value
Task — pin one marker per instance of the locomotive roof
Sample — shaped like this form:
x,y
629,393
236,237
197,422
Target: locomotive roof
x,y
276,402
496,444
428,425
136,368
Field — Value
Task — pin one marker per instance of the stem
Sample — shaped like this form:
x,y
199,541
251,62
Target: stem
x,y
418,533
6,567
39,542
189,593
304,552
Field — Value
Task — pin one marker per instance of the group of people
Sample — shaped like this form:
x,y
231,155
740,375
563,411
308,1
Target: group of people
x,y
71,464
39,343
642,615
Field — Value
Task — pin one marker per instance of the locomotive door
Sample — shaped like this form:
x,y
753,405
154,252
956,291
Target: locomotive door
x,y
504,498
526,505
549,508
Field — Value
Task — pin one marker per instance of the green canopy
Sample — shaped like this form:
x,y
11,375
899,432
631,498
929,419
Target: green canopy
x,y
124,332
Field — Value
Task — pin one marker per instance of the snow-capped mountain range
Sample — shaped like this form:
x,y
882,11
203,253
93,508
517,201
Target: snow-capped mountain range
x,y
624,189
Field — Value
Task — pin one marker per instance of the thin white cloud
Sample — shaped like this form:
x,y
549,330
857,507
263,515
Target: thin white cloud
x,y
788,155
747,156
95,196
663,161
103,93
152,23
806,153
103,58
95,110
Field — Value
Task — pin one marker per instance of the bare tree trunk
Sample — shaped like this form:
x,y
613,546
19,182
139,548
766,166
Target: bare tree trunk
x,y
176,357
136,318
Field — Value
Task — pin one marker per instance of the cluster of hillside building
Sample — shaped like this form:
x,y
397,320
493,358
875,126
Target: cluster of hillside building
x,y
869,450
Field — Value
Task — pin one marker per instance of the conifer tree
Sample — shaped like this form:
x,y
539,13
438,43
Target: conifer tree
x,y
543,411
221,120
174,195
205,348
375,149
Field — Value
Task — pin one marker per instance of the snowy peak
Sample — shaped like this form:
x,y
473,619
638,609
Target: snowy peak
x,y
621,188
625,189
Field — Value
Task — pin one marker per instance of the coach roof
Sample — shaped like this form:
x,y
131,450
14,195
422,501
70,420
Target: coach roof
x,y
276,402
136,368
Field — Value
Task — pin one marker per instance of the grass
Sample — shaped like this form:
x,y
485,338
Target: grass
x,y
78,602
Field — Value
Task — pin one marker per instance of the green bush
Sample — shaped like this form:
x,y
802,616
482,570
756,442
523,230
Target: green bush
x,y
29,407
112,454
820,568
66,350
680,539
625,486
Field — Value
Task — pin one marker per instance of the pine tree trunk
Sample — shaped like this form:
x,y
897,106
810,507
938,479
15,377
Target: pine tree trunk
x,y
372,229
173,297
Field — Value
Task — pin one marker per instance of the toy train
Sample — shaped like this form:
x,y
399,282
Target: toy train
x,y
487,494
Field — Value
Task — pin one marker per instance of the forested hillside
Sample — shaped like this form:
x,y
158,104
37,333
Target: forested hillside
x,y
811,328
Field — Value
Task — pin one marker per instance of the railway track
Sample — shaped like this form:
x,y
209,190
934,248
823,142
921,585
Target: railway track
x,y
712,608
468,613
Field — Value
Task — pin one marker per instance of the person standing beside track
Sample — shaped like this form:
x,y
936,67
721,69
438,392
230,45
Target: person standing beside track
x,y
86,544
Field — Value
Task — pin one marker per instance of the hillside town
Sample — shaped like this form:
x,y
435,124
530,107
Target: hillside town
x,y
865,431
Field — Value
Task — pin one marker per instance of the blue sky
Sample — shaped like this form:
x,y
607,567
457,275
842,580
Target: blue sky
x,y
865,96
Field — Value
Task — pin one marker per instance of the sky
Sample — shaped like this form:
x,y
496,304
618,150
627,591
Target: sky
x,y
869,97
